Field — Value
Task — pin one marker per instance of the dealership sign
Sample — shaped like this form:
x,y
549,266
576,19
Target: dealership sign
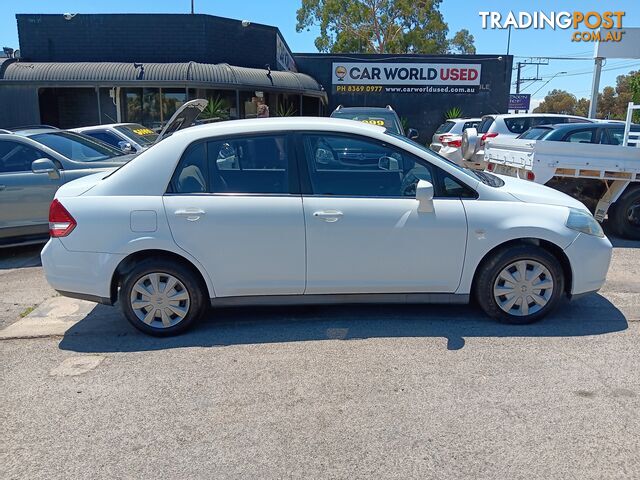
x,y
406,77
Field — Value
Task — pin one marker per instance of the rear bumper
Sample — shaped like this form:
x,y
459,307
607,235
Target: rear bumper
x,y
590,258
84,275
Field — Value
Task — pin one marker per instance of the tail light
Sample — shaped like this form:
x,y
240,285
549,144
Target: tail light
x,y
531,176
443,138
61,223
490,167
452,143
487,135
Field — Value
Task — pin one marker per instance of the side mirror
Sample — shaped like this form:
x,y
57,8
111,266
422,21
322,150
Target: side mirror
x,y
424,195
126,147
45,165
412,134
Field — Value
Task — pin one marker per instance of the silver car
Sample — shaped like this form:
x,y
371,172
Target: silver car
x,y
34,162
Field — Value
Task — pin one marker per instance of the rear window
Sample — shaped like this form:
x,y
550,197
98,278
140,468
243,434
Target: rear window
x,y
485,124
535,133
518,125
445,127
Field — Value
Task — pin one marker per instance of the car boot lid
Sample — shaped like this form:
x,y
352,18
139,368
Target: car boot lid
x,y
184,117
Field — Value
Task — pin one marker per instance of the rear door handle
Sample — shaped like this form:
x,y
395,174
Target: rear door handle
x,y
329,216
192,214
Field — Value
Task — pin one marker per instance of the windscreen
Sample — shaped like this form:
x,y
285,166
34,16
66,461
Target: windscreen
x,y
77,147
382,119
141,135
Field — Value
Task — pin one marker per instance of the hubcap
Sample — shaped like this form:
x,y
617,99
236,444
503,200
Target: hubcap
x,y
633,214
160,300
523,288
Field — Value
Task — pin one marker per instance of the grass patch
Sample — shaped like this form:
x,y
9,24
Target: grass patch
x,y
27,311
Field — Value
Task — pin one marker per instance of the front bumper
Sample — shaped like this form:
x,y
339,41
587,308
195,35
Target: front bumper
x,y
590,258
85,275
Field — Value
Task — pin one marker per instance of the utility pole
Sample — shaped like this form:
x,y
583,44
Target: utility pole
x,y
530,61
192,11
595,87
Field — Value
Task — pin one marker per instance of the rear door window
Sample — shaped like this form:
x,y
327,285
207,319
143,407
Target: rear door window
x,y
251,165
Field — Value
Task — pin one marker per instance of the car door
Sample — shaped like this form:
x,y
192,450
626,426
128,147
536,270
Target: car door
x,y
364,231
25,196
234,205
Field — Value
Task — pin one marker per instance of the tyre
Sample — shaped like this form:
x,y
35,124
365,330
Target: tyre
x,y
624,215
520,284
162,297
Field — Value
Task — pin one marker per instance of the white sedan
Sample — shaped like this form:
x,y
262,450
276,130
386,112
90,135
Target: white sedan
x,y
314,210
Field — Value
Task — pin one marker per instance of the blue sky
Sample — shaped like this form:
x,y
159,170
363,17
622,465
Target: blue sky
x,y
457,13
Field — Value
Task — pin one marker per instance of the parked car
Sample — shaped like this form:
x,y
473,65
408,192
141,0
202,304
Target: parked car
x,y
383,117
301,215
597,163
605,133
128,137
134,138
453,127
505,125
36,159
34,162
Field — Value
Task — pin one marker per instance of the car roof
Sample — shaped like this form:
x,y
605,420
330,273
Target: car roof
x,y
27,132
105,125
529,115
463,119
364,109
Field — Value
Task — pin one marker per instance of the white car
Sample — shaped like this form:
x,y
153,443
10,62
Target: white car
x,y
509,125
128,137
453,127
313,210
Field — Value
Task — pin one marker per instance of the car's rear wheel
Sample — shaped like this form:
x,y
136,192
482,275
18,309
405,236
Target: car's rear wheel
x,y
624,215
162,298
520,284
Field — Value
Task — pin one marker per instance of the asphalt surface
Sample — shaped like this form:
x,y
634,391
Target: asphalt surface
x,y
333,392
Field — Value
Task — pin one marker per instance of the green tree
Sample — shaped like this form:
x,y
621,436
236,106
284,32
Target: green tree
x,y
380,26
462,42
582,108
607,103
558,101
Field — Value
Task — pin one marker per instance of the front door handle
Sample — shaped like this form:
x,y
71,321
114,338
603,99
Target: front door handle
x,y
329,216
192,214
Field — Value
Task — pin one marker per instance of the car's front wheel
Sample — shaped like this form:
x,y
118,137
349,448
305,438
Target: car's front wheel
x,y
520,284
162,298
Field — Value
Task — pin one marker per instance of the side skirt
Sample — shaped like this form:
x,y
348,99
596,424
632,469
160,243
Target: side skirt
x,y
447,298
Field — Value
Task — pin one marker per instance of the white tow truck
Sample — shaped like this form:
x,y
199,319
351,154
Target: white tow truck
x,y
604,177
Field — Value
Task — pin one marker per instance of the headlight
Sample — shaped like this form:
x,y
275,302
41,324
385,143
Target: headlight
x,y
584,222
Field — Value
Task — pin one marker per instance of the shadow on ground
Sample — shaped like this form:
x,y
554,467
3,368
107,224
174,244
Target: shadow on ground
x,y
106,330
20,257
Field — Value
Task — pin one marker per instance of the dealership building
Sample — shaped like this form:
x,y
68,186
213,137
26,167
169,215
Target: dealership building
x,y
76,70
